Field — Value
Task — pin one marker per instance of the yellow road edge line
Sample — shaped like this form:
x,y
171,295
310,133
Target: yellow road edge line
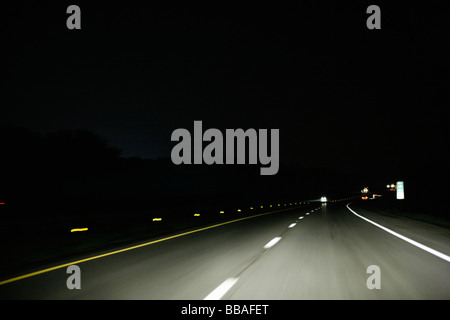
x,y
28,275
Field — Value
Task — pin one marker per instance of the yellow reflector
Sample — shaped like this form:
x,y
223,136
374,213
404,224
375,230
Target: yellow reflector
x,y
196,214
78,229
157,219
222,212
239,210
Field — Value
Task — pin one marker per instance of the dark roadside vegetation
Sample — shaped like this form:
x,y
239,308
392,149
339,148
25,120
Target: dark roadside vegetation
x,y
52,183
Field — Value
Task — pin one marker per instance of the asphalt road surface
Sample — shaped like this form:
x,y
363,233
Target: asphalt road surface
x,y
321,251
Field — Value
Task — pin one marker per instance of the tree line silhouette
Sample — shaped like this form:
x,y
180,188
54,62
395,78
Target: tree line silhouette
x,y
76,171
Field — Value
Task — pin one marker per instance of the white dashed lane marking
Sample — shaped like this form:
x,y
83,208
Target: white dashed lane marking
x,y
272,242
220,291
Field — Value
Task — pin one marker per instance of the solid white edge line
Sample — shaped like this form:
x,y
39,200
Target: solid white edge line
x,y
292,225
415,243
220,291
272,242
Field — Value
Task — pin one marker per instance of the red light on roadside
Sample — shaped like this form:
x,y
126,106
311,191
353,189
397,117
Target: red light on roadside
x,y
2,203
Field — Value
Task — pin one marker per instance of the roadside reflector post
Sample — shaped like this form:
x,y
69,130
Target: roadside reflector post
x,y
400,194
400,190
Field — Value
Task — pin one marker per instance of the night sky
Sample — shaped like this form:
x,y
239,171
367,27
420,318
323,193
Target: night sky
x,y
344,98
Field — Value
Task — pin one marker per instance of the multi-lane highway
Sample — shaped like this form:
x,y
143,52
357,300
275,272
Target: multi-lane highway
x,y
321,251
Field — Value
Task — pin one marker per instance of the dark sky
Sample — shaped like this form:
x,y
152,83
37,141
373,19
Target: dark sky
x,y
344,97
